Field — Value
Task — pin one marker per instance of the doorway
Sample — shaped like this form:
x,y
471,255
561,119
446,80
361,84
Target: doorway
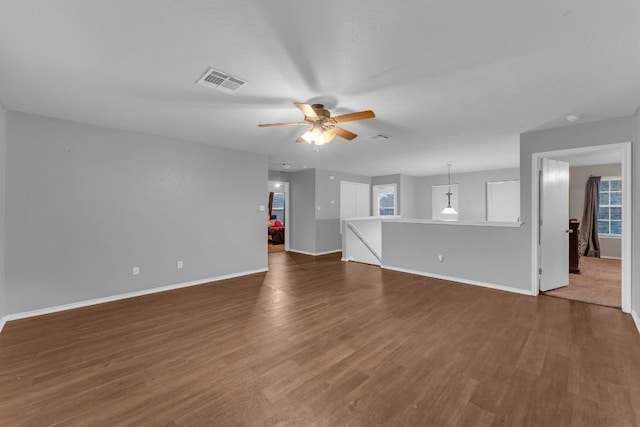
x,y
278,209
595,155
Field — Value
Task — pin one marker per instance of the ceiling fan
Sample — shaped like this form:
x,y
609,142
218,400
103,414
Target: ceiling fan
x,y
323,127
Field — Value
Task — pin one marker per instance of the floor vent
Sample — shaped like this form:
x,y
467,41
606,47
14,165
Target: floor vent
x,y
219,80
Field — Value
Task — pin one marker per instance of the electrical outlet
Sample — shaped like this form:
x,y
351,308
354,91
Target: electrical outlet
x,y
179,264
136,270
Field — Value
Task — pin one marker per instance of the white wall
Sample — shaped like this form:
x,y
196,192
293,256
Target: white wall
x,y
3,147
472,187
578,176
85,204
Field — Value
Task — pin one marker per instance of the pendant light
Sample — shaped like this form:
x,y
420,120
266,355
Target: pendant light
x,y
449,210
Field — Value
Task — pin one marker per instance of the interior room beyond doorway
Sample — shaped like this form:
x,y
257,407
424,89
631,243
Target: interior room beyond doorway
x,y
597,279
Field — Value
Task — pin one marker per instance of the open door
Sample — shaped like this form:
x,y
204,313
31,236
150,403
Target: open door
x,y
554,223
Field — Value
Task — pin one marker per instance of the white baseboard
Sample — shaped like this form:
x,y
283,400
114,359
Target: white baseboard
x,y
315,253
636,318
80,304
460,280
610,257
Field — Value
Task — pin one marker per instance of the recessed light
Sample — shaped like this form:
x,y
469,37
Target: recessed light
x,y
573,117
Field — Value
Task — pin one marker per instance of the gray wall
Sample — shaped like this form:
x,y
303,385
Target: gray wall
x,y
386,180
473,192
409,205
575,136
485,254
472,252
578,176
279,176
327,212
315,209
406,187
3,164
85,204
302,216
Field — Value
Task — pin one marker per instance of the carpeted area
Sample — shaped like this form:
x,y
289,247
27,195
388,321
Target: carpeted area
x,y
599,283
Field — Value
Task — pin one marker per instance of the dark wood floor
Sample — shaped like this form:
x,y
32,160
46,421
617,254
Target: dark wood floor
x,y
319,342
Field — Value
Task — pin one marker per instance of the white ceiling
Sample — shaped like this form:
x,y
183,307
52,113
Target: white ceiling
x,y
450,81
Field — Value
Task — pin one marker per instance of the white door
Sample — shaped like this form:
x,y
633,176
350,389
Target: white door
x,y
554,224
355,199
347,200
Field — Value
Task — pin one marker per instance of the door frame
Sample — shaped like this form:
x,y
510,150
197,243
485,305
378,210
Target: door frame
x,y
627,188
287,217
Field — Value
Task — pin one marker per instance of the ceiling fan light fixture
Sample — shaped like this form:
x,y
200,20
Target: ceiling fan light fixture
x,y
323,126
317,136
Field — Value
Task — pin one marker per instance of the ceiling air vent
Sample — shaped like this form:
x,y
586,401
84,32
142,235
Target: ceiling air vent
x,y
379,137
220,80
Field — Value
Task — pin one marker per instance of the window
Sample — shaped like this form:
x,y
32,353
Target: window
x,y
503,201
277,208
384,197
610,212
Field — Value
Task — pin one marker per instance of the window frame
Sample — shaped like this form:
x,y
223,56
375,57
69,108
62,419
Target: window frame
x,y
380,190
609,206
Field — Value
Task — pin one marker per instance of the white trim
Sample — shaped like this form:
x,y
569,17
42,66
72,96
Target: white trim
x,y
445,222
610,257
315,253
636,319
627,222
3,320
376,198
80,304
460,280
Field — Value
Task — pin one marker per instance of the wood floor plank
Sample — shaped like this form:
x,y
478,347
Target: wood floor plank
x,y
319,342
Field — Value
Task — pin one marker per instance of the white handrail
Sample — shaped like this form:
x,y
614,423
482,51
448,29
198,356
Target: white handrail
x,y
364,240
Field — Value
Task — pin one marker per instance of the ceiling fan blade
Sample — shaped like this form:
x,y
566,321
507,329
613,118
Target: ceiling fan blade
x,y
263,125
342,133
361,115
300,139
307,110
